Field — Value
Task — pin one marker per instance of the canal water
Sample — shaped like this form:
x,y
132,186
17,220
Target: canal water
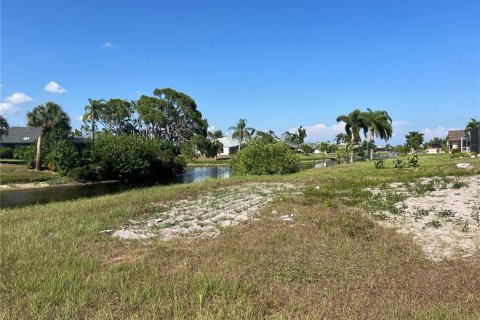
x,y
192,174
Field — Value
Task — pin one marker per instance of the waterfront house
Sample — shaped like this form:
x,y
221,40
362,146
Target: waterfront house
x,y
457,140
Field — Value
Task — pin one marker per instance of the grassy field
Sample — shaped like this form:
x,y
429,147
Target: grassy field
x,y
334,262
20,173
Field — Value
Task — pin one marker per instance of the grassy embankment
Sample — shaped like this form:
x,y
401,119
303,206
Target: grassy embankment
x,y
332,262
20,173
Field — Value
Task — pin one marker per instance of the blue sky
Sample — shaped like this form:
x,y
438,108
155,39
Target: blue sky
x,y
279,64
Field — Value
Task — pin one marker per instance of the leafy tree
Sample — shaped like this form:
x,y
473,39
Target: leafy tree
x,y
116,116
92,112
354,122
3,127
217,134
171,115
379,125
414,140
323,146
269,135
297,138
472,124
241,132
342,138
48,116
63,156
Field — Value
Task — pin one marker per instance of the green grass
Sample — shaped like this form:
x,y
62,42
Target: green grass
x,y
209,161
20,173
12,161
334,262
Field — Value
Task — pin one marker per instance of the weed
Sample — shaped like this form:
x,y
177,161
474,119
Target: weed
x,y
435,223
420,213
446,213
459,184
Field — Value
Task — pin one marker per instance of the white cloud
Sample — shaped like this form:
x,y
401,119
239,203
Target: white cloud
x,y
54,87
211,128
322,131
18,98
79,117
439,132
108,45
10,105
7,108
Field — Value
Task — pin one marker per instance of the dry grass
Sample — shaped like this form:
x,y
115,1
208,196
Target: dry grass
x,y
332,262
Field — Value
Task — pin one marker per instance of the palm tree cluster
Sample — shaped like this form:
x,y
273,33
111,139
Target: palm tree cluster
x,y
372,123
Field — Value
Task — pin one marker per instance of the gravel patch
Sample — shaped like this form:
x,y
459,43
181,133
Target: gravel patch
x,y
441,214
204,216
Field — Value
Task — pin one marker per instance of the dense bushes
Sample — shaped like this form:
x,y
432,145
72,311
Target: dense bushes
x,y
62,157
6,153
262,157
132,156
26,153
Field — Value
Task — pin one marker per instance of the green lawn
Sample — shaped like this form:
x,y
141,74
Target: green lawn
x,y
334,262
20,173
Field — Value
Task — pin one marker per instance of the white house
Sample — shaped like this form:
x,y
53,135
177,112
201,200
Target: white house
x,y
230,146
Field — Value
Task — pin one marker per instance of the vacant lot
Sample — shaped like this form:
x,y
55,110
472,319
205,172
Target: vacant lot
x,y
332,260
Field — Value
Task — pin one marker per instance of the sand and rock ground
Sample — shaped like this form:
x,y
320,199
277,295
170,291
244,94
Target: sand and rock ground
x,y
441,214
206,215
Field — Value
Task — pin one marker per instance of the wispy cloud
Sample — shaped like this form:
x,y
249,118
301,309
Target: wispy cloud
x,y
10,105
439,132
54,87
108,45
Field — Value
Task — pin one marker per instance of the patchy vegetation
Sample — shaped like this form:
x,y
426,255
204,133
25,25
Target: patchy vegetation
x,y
332,261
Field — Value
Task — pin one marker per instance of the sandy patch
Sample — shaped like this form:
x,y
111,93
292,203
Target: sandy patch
x,y
204,216
441,214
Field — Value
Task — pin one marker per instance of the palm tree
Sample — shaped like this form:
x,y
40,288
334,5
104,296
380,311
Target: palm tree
x,y
414,140
3,127
241,132
91,114
48,117
354,122
379,125
472,124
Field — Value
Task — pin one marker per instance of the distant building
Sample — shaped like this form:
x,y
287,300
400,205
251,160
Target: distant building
x,y
433,150
230,146
457,140
20,136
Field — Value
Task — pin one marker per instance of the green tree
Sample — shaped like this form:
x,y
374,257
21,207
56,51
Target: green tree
x,y
92,111
171,115
3,127
354,122
472,124
48,116
379,125
116,115
241,132
217,134
341,138
414,140
297,138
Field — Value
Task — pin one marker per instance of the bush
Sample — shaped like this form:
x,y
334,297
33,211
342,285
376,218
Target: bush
x,y
398,164
132,157
6,153
379,163
262,157
26,153
412,161
62,157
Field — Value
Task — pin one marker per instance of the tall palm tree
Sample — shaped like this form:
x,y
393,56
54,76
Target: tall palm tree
x,y
354,122
472,124
241,132
48,117
414,140
3,127
91,114
379,125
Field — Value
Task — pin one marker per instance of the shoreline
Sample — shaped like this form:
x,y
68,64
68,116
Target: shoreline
x,y
41,185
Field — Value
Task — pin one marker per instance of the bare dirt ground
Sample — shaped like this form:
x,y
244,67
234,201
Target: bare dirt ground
x,y
204,216
441,214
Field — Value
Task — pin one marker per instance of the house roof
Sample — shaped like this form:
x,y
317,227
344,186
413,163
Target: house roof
x,y
228,142
20,135
455,135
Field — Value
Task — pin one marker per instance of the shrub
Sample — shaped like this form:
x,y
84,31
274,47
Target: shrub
x,y
379,163
26,153
133,157
398,164
6,153
63,156
262,157
412,161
